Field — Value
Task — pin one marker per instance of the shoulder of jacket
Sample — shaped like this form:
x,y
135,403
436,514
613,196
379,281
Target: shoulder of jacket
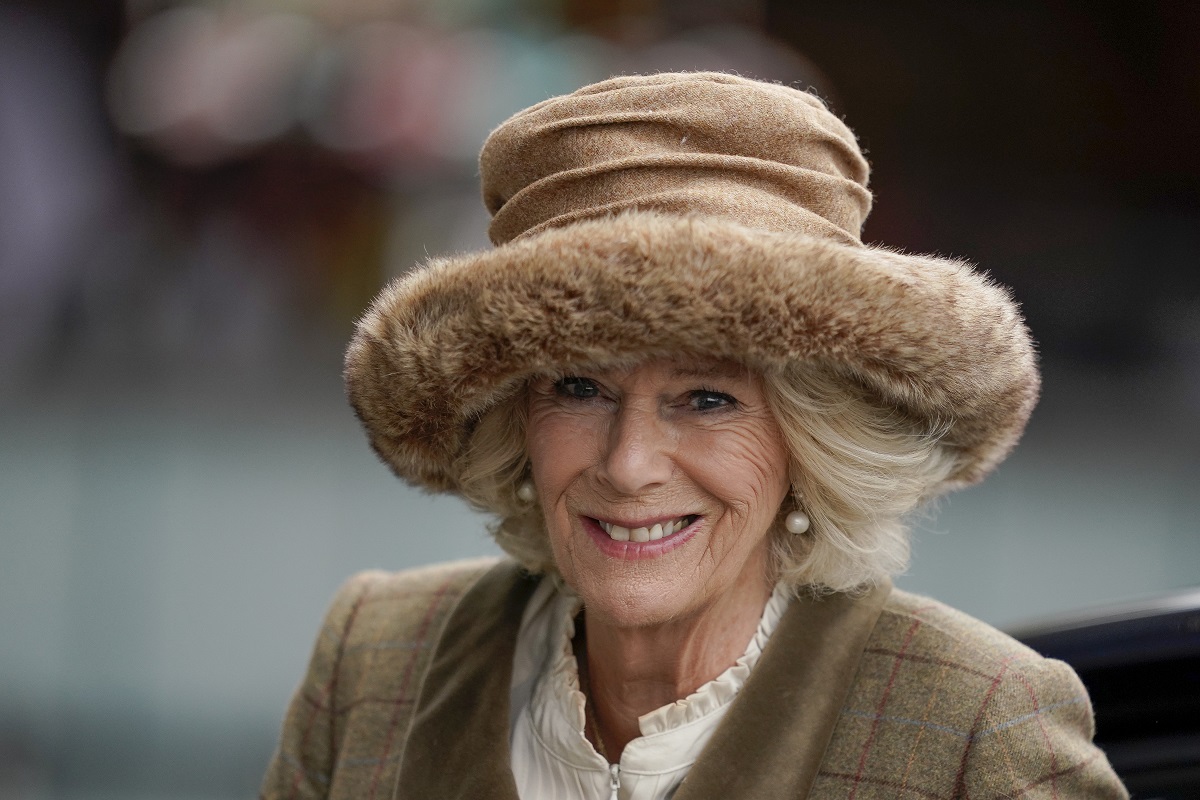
x,y
924,642
431,578
957,709
374,602
375,607
922,625
382,629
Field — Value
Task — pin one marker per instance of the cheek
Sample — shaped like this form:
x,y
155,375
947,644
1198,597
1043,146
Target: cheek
x,y
755,473
552,442
561,447
550,470
777,478
771,459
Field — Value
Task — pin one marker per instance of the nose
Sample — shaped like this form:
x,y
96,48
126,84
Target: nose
x,y
638,452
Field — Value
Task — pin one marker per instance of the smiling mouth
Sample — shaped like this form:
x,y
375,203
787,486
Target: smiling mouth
x,y
658,530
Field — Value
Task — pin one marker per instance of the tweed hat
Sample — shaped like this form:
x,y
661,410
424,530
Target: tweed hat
x,y
698,213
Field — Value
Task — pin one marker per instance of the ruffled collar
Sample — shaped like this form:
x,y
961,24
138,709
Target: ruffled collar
x,y
672,735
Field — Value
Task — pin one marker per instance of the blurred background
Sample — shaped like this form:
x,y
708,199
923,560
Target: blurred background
x,y
196,199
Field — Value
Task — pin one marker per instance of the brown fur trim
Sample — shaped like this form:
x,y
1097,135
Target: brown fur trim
x,y
932,337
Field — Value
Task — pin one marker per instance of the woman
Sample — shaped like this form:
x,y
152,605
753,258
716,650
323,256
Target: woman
x,y
700,408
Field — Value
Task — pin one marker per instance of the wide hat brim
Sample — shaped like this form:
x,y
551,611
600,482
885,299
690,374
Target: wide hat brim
x,y
932,338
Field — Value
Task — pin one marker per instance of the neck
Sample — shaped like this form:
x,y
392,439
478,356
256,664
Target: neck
x,y
630,672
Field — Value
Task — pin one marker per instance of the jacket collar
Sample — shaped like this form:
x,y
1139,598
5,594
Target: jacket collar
x,y
458,744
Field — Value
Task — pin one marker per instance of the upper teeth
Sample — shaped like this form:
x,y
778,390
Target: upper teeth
x,y
656,531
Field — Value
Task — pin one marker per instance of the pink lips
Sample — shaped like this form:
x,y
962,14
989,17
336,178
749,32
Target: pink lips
x,y
634,551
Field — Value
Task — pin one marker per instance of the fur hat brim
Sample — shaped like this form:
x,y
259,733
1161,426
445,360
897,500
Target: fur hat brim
x,y
931,337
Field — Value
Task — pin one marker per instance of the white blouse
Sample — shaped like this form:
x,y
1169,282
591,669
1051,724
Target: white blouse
x,y
551,756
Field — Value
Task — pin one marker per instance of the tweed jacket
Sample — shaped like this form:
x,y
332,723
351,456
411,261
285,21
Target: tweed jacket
x,y
887,695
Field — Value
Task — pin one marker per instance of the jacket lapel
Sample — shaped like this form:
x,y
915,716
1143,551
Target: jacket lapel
x,y
458,744
770,744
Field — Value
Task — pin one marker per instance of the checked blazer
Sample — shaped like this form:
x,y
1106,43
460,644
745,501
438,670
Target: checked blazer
x,y
884,695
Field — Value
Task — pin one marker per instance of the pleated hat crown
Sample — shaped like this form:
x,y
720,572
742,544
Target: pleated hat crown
x,y
759,154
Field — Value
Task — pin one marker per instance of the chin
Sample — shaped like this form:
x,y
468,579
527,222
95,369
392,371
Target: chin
x,y
630,604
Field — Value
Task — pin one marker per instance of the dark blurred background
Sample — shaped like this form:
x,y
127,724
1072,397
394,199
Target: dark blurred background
x,y
196,199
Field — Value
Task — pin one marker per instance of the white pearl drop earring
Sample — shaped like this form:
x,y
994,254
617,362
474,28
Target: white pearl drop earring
x,y
526,492
797,522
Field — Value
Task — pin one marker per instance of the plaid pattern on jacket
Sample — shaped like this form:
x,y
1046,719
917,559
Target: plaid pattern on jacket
x,y
928,703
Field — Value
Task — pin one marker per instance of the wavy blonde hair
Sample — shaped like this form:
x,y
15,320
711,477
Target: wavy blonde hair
x,y
858,468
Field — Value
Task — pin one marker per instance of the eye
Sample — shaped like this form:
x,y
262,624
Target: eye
x,y
579,388
708,400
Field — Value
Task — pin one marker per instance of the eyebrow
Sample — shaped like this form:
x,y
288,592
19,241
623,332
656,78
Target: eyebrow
x,y
720,370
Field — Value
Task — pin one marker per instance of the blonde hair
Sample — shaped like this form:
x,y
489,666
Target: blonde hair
x,y
858,469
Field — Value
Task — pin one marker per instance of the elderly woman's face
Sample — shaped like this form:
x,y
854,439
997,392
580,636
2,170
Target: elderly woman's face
x,y
659,484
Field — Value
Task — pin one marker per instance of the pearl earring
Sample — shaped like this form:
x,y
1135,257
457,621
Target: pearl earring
x,y
797,522
526,492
